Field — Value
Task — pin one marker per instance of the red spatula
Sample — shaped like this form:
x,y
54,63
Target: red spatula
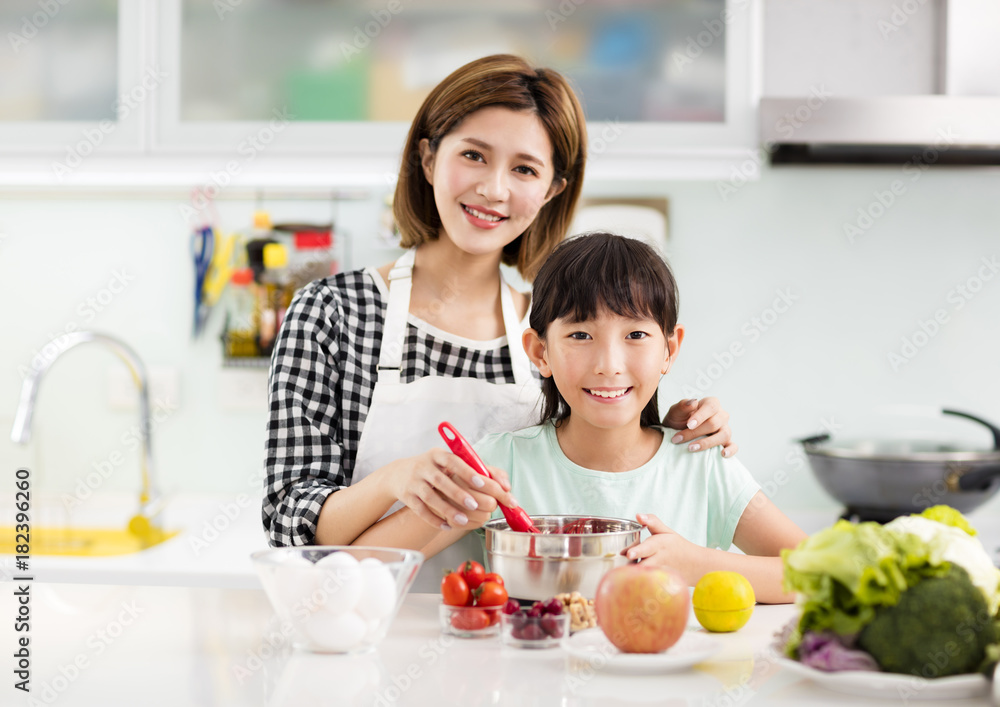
x,y
517,518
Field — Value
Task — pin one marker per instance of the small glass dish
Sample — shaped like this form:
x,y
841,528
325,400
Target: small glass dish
x,y
545,631
470,621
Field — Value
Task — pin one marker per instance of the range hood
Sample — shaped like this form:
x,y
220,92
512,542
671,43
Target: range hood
x,y
959,125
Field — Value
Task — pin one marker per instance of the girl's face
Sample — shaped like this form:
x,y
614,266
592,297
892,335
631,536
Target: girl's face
x,y
491,175
606,368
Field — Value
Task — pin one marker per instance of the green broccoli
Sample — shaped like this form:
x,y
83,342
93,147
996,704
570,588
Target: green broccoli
x,y
940,626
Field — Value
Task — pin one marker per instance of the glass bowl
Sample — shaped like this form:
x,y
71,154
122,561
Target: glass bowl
x,y
336,599
546,631
470,621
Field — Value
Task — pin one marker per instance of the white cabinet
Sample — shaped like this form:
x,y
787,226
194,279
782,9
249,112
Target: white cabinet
x,y
263,93
853,48
72,79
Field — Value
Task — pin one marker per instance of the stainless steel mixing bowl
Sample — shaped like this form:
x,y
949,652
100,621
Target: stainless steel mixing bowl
x,y
538,566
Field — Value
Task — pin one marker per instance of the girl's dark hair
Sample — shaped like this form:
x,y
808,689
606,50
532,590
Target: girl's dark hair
x,y
597,272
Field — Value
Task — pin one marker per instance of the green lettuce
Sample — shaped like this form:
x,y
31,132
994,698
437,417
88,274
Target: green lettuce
x,y
846,572
947,515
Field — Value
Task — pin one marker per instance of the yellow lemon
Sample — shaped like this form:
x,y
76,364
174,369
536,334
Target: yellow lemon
x,y
723,601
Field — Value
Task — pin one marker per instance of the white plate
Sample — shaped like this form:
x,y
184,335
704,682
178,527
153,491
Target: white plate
x,y
594,647
894,686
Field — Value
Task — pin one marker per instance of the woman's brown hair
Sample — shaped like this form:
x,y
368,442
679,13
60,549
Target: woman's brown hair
x,y
508,81
594,273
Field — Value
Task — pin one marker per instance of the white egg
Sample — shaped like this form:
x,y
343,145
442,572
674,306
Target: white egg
x,y
338,634
295,580
341,582
379,596
374,632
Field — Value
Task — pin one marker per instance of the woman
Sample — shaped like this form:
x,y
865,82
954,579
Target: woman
x,y
367,363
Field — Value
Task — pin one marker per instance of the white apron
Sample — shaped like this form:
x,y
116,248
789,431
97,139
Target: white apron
x,y
403,417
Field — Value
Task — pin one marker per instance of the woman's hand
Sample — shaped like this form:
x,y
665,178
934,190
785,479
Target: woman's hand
x,y
444,491
665,548
703,418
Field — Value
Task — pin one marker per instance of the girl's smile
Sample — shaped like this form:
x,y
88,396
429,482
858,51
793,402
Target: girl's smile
x,y
609,394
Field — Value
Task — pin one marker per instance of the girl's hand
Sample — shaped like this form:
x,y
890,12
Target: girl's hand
x,y
701,418
444,491
665,548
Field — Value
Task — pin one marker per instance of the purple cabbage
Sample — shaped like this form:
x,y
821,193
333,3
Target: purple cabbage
x,y
831,653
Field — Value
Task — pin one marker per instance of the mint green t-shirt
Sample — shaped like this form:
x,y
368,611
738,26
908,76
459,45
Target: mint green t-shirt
x,y
701,496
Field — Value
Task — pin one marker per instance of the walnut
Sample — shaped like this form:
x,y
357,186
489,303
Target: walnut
x,y
580,610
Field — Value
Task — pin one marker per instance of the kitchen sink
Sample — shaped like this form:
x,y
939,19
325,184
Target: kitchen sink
x,y
141,532
84,542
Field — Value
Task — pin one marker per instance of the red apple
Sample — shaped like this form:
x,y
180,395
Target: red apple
x,y
642,609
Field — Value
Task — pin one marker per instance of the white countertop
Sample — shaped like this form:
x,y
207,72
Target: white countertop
x,y
217,535
173,646
185,623
219,532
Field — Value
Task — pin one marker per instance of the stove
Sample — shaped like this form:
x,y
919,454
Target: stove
x,y
879,515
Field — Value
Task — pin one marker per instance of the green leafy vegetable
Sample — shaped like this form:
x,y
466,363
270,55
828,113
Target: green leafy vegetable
x,y
947,515
848,571
920,594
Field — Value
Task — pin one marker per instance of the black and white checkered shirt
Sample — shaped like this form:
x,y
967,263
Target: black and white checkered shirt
x,y
321,383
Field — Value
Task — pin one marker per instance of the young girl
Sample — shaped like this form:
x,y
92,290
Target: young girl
x,y
603,331
367,363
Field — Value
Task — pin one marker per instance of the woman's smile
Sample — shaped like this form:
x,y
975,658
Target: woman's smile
x,y
483,217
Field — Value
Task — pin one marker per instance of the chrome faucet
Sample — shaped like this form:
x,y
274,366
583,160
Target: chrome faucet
x,y
150,502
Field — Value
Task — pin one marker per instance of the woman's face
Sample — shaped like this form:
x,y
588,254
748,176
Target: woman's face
x,y
491,175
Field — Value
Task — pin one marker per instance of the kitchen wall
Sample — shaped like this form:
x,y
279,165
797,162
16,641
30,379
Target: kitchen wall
x,y
121,265
796,325
837,353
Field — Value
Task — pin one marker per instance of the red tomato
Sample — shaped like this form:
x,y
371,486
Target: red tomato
x,y
472,572
490,594
471,620
493,577
454,590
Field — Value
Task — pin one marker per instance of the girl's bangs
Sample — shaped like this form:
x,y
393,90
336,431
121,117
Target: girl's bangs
x,y
617,281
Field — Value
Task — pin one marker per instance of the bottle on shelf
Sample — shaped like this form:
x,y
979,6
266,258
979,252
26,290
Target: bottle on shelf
x,y
241,316
275,295
312,256
258,237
